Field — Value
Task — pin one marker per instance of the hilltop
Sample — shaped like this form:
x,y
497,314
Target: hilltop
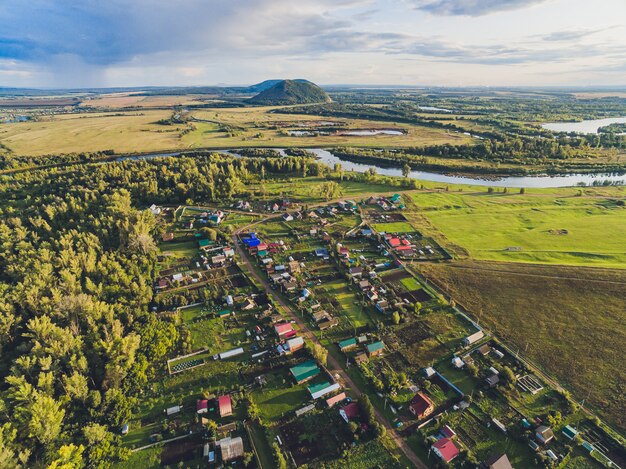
x,y
291,92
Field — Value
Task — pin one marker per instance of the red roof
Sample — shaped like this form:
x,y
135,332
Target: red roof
x,y
290,334
404,248
262,247
447,432
446,449
351,410
203,404
406,242
282,329
420,403
225,405
333,400
394,242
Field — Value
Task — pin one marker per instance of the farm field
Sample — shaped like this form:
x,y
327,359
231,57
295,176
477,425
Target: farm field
x,y
550,227
137,131
568,319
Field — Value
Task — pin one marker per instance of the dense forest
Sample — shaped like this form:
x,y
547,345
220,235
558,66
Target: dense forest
x,y
77,265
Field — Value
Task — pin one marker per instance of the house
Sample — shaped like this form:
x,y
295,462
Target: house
x,y
295,344
544,434
350,412
320,316
327,324
163,283
395,198
492,380
374,349
283,329
231,448
294,267
421,406
475,337
224,405
383,306
355,271
445,449
321,252
364,284
202,406
168,237
204,243
394,242
497,461
335,399
289,287
347,344
287,217
218,260
305,371
457,362
155,210
228,252
484,350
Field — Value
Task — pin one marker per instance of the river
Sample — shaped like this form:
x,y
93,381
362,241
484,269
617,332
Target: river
x,y
545,181
583,127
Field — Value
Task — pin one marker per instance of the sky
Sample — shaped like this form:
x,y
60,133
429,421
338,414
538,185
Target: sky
x,y
96,43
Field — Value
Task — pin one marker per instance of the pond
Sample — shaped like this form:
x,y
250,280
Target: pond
x,y
583,127
368,132
544,181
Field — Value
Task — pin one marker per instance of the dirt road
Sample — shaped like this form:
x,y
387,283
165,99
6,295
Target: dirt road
x,y
333,365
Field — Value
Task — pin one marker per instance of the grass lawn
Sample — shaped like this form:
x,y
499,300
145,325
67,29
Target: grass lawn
x,y
364,456
411,284
280,396
147,459
338,290
552,228
394,227
263,448
186,249
570,320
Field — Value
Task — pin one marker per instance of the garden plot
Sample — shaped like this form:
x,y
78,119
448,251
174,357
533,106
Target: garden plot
x,y
318,435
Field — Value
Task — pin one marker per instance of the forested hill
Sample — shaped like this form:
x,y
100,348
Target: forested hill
x,y
291,92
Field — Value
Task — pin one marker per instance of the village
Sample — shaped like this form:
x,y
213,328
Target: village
x,y
309,340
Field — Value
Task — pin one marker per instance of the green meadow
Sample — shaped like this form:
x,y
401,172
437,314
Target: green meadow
x,y
550,227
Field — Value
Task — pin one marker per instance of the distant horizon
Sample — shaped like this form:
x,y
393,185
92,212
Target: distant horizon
x,y
324,85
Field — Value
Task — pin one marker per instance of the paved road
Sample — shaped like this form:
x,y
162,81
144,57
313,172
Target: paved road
x,y
333,364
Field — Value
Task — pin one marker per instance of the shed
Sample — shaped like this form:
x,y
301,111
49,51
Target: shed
x,y
347,344
320,390
173,410
544,434
335,399
475,337
202,406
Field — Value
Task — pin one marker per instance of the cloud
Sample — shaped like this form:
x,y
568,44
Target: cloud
x,y
471,7
573,34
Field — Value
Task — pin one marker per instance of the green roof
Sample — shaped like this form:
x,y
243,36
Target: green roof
x,y
570,432
395,197
375,346
318,387
347,343
224,312
204,242
305,370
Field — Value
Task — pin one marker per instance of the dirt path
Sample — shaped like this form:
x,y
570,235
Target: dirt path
x,y
333,365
